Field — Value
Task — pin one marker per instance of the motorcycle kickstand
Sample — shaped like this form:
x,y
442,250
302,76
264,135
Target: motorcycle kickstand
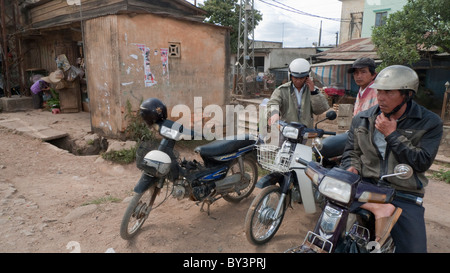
x,y
208,211
208,201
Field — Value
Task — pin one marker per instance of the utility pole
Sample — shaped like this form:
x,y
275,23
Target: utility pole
x,y
245,48
320,34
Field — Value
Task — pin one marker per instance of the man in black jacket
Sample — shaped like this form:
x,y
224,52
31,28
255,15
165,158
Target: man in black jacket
x,y
397,130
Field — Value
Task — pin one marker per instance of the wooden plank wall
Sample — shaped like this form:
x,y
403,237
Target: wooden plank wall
x,y
60,12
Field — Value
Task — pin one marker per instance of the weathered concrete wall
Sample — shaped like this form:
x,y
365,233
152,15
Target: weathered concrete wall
x,y
15,103
102,72
125,59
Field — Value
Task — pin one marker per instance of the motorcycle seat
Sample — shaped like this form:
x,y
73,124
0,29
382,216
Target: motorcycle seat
x,y
225,146
333,145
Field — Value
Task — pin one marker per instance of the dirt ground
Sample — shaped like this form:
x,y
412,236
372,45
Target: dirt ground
x,y
54,201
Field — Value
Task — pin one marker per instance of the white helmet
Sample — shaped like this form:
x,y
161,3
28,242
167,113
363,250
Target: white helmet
x,y
156,163
299,68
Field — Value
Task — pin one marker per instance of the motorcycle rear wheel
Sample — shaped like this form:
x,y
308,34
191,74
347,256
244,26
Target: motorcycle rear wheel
x,y
245,188
137,212
259,225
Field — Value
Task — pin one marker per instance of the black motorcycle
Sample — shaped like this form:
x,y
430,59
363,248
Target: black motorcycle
x,y
287,183
341,228
229,170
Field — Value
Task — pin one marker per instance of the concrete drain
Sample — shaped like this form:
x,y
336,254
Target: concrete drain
x,y
88,145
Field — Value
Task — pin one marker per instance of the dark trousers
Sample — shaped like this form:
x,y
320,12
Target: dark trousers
x,y
37,100
409,232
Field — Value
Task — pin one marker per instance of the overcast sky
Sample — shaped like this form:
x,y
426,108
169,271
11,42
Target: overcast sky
x,y
296,23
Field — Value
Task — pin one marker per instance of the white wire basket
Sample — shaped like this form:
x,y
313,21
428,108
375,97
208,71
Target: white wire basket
x,y
272,159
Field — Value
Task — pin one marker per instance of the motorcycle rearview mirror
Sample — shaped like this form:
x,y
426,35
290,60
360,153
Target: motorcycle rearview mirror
x,y
401,171
330,115
405,171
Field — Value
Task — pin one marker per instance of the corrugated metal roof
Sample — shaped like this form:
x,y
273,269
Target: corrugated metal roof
x,y
334,62
351,50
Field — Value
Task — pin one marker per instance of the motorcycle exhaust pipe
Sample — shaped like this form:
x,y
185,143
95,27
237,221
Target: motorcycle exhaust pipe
x,y
229,182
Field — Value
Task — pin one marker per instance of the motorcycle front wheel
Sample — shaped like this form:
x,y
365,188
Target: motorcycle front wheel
x,y
260,225
137,212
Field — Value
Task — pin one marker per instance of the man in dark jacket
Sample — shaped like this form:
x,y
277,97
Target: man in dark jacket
x,y
397,130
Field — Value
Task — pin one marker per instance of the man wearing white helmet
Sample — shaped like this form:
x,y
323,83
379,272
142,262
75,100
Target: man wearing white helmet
x,y
298,99
395,131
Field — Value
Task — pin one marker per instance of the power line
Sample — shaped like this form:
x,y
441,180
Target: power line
x,y
298,12
294,10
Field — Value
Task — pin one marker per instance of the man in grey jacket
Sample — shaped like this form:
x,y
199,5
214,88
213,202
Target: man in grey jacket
x,y
298,99
397,130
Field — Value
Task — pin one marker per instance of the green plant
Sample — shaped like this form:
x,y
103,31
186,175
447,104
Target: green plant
x,y
124,156
410,34
136,129
53,102
442,175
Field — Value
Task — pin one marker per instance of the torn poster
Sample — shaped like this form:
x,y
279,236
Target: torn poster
x,y
165,64
149,79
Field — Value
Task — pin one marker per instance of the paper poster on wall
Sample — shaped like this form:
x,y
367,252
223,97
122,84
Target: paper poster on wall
x,y
165,64
149,79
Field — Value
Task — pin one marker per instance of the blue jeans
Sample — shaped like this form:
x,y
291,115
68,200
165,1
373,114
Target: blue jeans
x,y
409,232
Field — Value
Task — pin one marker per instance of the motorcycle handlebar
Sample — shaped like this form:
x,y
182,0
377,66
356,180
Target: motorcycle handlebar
x,y
302,161
282,123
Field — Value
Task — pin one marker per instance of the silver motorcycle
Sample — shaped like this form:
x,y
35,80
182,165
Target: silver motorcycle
x,y
287,183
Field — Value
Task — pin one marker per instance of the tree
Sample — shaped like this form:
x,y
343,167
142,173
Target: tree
x,y
422,25
226,13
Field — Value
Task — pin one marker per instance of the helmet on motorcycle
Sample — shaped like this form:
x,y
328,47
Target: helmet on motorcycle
x,y
299,68
396,77
156,163
152,110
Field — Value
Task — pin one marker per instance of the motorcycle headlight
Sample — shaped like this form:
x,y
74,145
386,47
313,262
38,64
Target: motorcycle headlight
x,y
335,189
290,132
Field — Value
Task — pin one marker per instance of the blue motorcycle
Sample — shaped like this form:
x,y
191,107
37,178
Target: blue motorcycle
x,y
229,170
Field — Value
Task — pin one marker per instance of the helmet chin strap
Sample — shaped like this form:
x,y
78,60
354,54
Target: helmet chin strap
x,y
397,108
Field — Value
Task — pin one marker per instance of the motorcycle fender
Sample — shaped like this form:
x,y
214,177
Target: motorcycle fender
x,y
145,182
304,183
270,179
